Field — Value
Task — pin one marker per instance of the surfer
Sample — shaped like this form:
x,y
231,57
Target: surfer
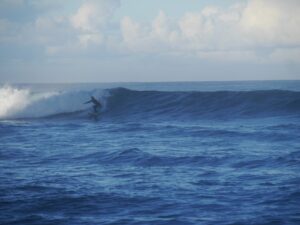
x,y
97,104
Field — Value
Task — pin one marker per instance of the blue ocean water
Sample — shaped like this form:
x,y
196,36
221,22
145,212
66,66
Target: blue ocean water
x,y
159,153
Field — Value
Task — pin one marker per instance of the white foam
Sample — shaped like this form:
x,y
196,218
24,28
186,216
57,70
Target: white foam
x,y
12,101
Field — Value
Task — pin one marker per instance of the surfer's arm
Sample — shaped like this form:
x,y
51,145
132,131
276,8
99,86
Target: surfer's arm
x,y
88,102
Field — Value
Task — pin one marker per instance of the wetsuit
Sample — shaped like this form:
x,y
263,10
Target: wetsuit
x,y
97,104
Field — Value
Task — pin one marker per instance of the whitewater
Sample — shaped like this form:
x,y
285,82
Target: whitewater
x,y
159,153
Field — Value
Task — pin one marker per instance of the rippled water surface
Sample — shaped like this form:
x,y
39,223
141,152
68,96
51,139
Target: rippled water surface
x,y
223,156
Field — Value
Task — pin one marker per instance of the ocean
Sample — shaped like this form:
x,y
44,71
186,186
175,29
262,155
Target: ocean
x,y
158,153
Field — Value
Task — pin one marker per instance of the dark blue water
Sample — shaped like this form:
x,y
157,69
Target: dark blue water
x,y
176,153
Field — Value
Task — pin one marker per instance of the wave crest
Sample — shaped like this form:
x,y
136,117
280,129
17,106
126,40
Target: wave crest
x,y
12,100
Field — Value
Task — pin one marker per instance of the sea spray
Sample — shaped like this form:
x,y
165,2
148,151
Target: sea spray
x,y
13,100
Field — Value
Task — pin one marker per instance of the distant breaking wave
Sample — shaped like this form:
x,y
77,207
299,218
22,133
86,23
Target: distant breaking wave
x,y
124,103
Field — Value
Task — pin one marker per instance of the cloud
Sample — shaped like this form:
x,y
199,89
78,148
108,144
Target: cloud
x,y
242,30
93,15
84,29
92,19
157,36
193,32
87,18
272,22
131,31
261,31
161,27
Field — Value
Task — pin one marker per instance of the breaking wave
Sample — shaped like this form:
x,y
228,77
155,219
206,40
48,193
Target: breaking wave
x,y
23,103
124,103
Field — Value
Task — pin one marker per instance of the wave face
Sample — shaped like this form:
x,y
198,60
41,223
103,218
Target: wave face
x,y
219,104
126,103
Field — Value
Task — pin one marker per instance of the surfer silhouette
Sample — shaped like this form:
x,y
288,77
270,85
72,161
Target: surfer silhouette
x,y
97,105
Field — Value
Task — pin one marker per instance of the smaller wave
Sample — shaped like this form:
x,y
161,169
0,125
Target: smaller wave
x,y
137,157
291,159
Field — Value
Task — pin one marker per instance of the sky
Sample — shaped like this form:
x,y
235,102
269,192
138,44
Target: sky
x,y
148,41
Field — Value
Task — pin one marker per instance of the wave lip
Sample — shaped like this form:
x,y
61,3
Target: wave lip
x,y
12,100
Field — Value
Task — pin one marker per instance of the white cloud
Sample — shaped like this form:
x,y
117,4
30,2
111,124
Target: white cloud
x,y
87,18
160,26
92,19
53,31
93,15
233,33
136,36
237,33
272,22
131,31
69,34
87,39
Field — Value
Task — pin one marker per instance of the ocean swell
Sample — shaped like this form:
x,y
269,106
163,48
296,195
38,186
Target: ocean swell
x,y
196,105
121,103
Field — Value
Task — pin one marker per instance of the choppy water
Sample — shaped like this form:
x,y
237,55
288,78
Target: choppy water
x,y
164,153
